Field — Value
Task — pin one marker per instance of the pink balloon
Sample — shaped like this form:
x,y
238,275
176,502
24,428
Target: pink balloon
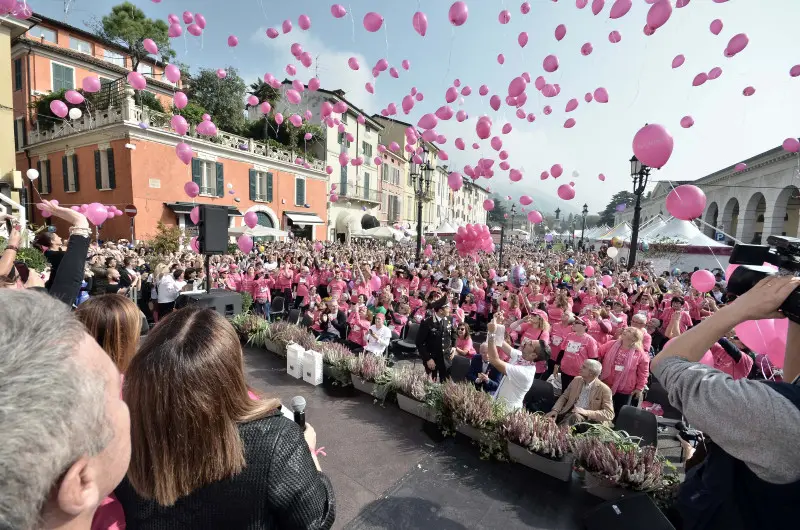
x,y
700,79
175,31
488,205
194,29
741,166
91,84
686,202
222,73
570,123
458,13
195,246
515,175
586,49
194,214
444,113
539,83
504,17
566,192
516,87
184,153
179,124
496,143
678,61
614,37
272,33
420,23
703,281
547,110
556,170
601,95
647,30
659,13
137,80
756,334
549,91
278,118
715,72
191,189
96,213
338,10
180,100
795,71
792,145
620,8
59,108
687,122
653,145
716,26
286,27
737,43
501,58
525,200
352,62
251,219
451,95
561,31
525,8
373,21
601,177
550,63
588,97
455,181
394,146
428,121
494,102
749,91
245,243
522,39
461,115
188,18
304,21
607,280
597,6
535,217
588,271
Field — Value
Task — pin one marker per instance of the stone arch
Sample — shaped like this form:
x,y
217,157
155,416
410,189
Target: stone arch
x,y
264,213
711,218
730,217
785,218
752,229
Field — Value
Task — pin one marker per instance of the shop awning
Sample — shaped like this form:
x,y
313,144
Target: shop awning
x,y
185,208
303,219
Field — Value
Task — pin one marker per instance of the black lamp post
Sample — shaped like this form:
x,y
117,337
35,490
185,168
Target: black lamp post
x,y
639,174
503,232
583,230
421,182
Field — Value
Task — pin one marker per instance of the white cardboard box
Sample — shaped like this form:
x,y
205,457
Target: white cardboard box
x,y
312,367
294,360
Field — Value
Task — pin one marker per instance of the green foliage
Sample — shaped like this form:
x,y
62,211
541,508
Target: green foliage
x,y
128,26
166,240
247,302
233,248
497,216
149,100
283,137
264,92
621,197
33,258
41,106
192,112
222,98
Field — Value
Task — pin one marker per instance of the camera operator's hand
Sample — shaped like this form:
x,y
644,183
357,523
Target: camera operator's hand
x,y
763,300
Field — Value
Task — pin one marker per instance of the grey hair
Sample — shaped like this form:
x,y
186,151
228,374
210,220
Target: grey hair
x,y
638,317
594,366
52,409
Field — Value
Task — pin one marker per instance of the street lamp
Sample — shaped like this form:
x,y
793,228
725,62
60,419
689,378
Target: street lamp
x,y
639,173
421,182
503,232
583,230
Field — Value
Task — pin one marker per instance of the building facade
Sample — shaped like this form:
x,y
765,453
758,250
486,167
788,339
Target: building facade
x,y
124,154
466,205
749,205
394,173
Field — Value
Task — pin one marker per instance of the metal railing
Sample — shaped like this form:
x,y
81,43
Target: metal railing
x,y
360,193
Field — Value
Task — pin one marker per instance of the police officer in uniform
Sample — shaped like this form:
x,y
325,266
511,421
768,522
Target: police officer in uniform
x,y
436,338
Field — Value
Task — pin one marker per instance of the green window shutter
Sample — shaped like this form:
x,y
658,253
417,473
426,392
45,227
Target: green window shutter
x,y
49,178
269,187
98,178
253,177
39,180
220,180
112,180
300,191
65,172
197,177
75,172
58,78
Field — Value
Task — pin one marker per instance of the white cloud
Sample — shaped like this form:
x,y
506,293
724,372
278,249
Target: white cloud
x,y
329,65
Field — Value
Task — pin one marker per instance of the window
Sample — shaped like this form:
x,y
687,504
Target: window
x,y
104,170
343,139
145,69
46,34
264,219
80,45
366,186
17,74
69,165
366,148
105,81
43,182
63,77
385,172
343,182
344,118
396,180
114,57
209,177
19,133
299,191
260,186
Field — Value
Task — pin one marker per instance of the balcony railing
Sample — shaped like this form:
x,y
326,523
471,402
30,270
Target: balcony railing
x,y
145,118
359,193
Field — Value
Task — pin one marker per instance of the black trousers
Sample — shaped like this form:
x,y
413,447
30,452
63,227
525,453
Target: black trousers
x,y
565,381
620,400
441,373
165,309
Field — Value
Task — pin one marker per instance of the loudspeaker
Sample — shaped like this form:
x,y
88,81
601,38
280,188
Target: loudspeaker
x,y
632,512
212,235
226,303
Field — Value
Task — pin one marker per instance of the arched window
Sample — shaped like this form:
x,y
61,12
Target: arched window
x,y
760,218
265,220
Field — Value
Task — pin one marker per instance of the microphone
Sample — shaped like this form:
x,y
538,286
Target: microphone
x,y
299,408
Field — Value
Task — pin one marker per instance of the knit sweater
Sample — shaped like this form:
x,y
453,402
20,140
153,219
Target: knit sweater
x,y
279,488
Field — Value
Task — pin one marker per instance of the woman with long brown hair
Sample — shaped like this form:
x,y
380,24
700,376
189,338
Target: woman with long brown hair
x,y
115,323
204,454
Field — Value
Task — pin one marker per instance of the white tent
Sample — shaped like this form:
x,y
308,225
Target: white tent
x,y
445,228
682,233
381,232
653,227
257,231
622,230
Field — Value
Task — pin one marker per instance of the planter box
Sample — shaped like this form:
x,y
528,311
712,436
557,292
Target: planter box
x,y
417,408
471,432
603,488
274,347
368,388
562,470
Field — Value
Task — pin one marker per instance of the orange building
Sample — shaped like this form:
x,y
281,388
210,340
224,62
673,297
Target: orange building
x,y
124,154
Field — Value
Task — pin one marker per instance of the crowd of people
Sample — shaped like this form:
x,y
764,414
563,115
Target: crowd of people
x,y
90,346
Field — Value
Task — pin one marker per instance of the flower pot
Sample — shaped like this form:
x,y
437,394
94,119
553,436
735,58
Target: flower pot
x,y
368,387
602,487
417,408
560,469
471,432
275,347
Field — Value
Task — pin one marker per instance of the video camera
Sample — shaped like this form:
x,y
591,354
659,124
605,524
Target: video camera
x,y
782,252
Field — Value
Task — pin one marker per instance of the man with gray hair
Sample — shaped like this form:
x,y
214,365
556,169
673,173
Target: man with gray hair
x,y
639,321
64,429
585,399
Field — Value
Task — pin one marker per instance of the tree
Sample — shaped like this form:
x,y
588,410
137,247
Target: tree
x,y
621,197
128,26
263,92
222,98
497,215
166,240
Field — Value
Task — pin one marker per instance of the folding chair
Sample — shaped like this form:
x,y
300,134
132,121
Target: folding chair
x,y
638,422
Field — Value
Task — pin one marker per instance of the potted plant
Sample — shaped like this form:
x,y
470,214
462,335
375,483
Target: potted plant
x,y
246,324
370,374
336,359
475,414
538,443
615,463
412,388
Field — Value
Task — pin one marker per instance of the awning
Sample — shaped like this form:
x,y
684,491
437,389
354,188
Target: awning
x,y
303,219
257,231
185,208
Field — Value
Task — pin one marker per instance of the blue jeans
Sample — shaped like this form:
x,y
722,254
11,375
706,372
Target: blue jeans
x,y
261,308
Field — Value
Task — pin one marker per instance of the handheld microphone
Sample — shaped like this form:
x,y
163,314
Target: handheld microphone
x,y
299,408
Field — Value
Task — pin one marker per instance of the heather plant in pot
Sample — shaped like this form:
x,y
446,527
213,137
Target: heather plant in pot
x,y
537,434
338,359
476,414
416,392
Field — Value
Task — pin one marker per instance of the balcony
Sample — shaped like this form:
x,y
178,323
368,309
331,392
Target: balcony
x,y
127,113
359,193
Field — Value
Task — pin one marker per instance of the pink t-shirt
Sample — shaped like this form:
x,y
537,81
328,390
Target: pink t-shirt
x,y
109,515
466,344
576,350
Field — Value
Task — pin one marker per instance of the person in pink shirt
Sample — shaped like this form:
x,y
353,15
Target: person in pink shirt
x,y
599,324
625,368
246,283
561,305
578,346
639,322
618,318
730,359
304,281
399,319
513,312
675,311
283,282
261,295
695,301
532,328
413,284
591,296
337,287
359,322
470,309
400,282
535,296
464,345
558,333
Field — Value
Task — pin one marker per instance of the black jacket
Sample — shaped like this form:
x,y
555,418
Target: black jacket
x,y
434,340
339,323
279,488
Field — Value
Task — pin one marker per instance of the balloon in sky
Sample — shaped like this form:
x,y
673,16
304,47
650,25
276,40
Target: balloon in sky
x,y
653,145
678,61
570,123
504,17
373,21
304,21
455,181
338,10
73,97
137,80
59,108
716,26
659,13
792,145
597,6
714,73
535,217
686,202
352,62
741,166
737,43
566,192
488,205
687,122
795,70
586,49
522,39
458,13
749,91
700,79
525,200
420,23
614,37
601,95
550,63
150,46
561,31
703,281
620,8
556,170
601,177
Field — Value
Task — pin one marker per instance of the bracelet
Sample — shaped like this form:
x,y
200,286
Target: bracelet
x,y
80,231
12,247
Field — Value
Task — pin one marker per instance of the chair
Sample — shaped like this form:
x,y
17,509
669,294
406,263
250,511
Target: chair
x,y
459,369
294,317
408,344
638,422
307,321
277,308
540,397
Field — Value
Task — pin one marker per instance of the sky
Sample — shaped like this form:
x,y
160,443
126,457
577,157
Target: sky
x,y
637,73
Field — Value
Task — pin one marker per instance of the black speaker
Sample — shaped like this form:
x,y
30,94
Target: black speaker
x,y
212,237
226,303
632,512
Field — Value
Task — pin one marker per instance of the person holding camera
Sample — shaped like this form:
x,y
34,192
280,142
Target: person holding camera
x,y
751,474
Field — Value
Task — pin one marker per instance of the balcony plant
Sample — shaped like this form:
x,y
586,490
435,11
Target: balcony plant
x,y
539,443
475,414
